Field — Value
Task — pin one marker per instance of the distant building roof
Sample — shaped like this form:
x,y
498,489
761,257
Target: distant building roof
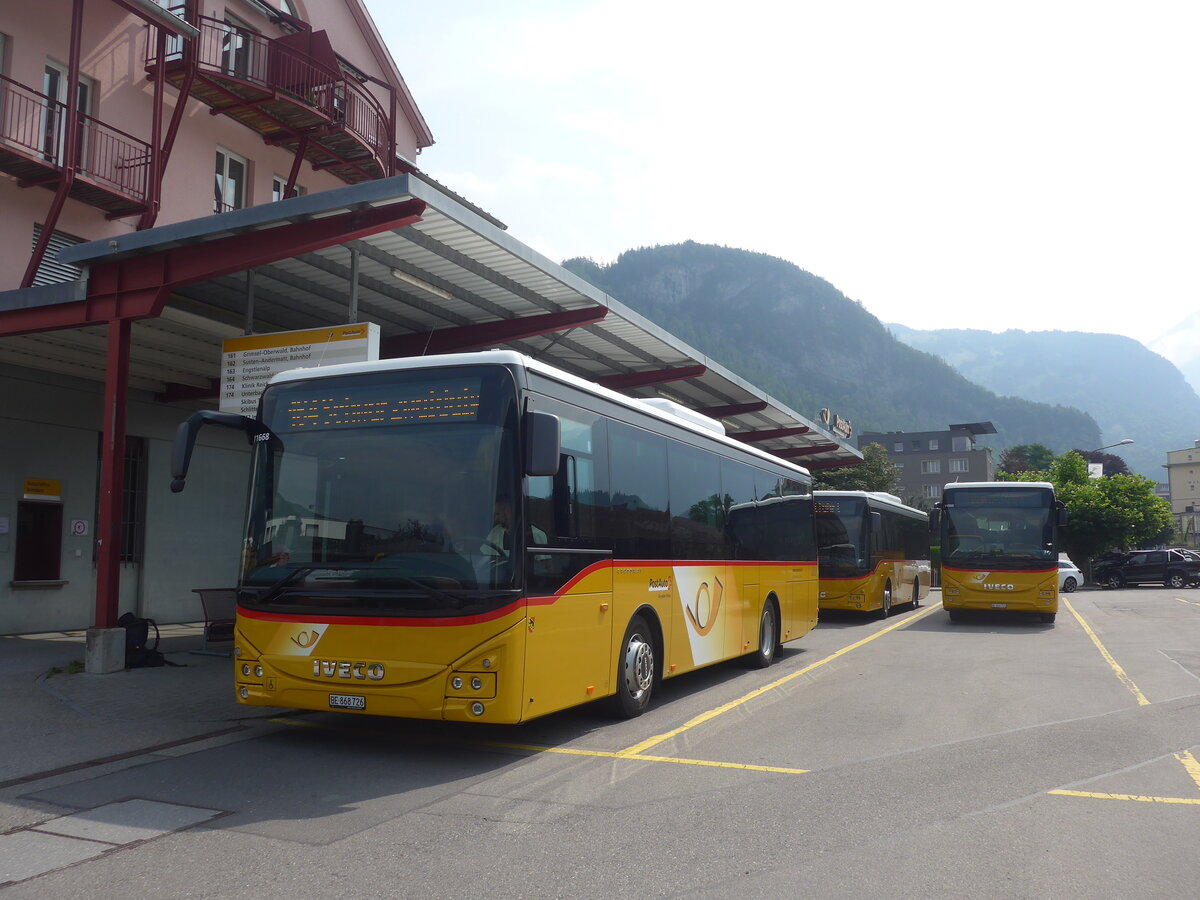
x,y
975,427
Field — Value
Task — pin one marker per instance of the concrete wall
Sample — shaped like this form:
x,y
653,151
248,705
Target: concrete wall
x,y
49,428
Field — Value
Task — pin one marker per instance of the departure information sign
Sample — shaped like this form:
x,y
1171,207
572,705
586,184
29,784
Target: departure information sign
x,y
250,362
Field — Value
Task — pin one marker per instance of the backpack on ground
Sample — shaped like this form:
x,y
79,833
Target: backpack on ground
x,y
139,651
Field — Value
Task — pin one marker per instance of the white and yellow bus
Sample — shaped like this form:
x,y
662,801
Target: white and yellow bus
x,y
999,547
482,537
873,551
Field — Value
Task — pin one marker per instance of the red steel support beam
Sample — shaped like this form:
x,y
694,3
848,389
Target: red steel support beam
x,y
740,409
487,334
112,475
767,434
793,452
629,380
137,287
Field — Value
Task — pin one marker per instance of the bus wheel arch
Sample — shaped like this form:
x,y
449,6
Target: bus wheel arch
x,y
768,635
638,665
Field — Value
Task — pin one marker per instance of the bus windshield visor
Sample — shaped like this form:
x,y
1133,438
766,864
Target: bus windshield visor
x,y
1004,527
386,493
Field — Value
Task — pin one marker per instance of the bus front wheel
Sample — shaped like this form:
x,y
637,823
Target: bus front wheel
x,y
885,608
636,670
768,638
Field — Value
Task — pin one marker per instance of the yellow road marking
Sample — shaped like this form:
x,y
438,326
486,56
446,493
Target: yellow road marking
x,y
1191,801
1190,763
609,754
570,751
638,749
1188,602
1120,673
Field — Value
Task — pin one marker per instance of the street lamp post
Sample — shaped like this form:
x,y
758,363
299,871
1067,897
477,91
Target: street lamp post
x,y
1120,443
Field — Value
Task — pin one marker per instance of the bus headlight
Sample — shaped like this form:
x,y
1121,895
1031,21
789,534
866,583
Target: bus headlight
x,y
456,683
477,684
246,669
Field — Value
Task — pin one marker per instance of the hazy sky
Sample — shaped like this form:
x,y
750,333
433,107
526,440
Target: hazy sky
x,y
960,164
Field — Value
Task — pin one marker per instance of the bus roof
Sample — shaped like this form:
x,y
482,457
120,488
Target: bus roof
x,y
878,498
998,485
513,358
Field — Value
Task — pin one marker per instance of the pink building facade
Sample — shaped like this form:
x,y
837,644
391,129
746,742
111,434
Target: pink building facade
x,y
272,97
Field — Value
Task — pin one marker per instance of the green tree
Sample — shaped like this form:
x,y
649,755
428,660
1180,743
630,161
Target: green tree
x,y
875,473
1026,458
1121,511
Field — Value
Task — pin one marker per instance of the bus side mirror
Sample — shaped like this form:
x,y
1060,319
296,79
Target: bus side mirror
x,y
876,523
541,443
1062,515
185,439
935,520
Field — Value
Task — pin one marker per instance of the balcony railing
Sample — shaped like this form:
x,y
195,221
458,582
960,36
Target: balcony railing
x,y
286,94
34,126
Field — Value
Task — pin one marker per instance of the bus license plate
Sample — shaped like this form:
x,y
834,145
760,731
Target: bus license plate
x,y
999,606
347,701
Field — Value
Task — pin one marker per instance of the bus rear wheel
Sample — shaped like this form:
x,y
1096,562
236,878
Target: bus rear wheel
x,y
636,670
768,638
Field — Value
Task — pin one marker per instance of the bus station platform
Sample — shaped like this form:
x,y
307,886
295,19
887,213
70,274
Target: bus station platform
x,y
59,720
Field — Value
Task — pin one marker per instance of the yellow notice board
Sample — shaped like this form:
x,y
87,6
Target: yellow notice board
x,y
249,362
41,489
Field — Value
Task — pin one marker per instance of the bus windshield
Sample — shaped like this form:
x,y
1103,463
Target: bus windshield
x,y
390,493
1005,527
843,541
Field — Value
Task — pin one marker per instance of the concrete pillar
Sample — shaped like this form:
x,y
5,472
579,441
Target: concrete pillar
x,y
104,651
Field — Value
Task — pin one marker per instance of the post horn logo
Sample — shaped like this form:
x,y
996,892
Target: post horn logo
x,y
306,639
707,605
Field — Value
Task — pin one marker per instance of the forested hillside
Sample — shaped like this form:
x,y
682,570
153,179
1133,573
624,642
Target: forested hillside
x,y
1130,391
799,338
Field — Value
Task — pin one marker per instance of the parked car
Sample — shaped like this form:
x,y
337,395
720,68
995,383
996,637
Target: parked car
x,y
1069,577
1174,568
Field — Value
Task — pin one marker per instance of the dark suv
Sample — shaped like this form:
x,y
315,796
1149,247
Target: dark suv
x,y
1174,568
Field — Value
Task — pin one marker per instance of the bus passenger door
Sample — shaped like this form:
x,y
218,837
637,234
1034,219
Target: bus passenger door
x,y
569,629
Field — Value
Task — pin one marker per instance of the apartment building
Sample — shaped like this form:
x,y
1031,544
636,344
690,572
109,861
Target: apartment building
x,y
929,460
1183,491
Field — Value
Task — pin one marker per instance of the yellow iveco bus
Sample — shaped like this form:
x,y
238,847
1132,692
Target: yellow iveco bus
x,y
872,551
482,537
999,547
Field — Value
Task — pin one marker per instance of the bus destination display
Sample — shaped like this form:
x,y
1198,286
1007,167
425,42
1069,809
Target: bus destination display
x,y
405,404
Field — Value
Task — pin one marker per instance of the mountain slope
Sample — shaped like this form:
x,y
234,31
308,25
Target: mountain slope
x,y
1181,345
1130,391
799,338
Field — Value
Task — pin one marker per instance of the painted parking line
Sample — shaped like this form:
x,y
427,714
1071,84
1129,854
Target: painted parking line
x,y
637,753
701,719
1108,657
1186,759
1188,602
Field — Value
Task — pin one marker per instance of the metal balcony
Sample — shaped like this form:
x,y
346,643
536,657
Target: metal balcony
x,y
112,168
290,91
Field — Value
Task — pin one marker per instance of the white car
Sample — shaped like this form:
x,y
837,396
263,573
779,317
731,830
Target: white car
x,y
1069,577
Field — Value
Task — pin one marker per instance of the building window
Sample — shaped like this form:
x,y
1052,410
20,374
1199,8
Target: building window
x,y
898,447
278,183
960,444
240,56
39,540
50,270
931,466
931,491
960,465
54,113
133,499
933,443
229,191
916,445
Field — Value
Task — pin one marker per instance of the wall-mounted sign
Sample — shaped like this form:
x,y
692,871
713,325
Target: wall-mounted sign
x,y
79,527
835,423
41,489
249,362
